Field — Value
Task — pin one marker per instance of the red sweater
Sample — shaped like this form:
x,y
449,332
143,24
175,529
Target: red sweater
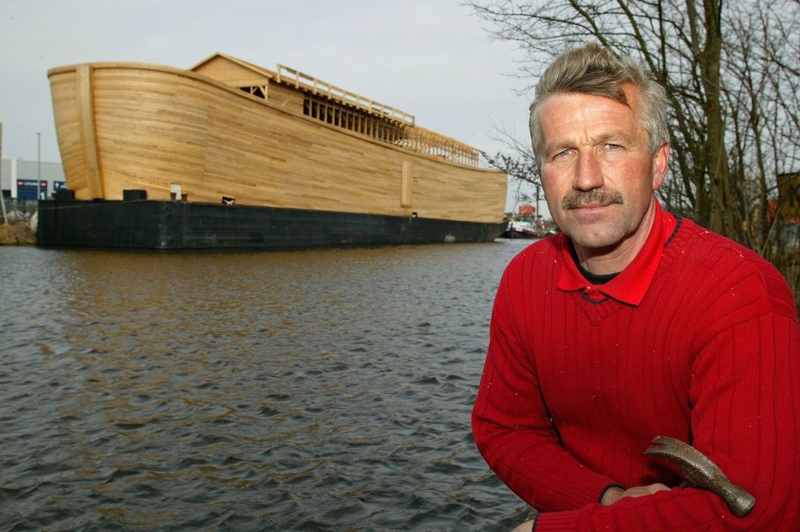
x,y
697,339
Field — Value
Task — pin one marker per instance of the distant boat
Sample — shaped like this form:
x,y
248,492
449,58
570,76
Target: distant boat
x,y
230,154
523,229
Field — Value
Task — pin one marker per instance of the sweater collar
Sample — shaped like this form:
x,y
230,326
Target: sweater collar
x,y
631,284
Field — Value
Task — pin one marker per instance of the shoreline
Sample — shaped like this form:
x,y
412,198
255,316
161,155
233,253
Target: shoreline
x,y
16,234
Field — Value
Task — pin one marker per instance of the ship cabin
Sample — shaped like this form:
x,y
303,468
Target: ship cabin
x,y
306,95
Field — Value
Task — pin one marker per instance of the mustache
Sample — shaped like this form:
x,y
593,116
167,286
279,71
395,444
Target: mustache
x,y
596,196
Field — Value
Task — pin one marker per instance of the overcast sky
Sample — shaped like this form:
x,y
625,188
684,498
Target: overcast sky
x,y
433,59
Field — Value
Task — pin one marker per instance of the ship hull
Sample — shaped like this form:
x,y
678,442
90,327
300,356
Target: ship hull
x,y
169,225
159,130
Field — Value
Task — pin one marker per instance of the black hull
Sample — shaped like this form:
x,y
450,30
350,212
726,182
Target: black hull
x,y
171,225
515,234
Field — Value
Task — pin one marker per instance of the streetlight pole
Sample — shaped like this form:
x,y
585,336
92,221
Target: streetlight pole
x,y
39,165
2,198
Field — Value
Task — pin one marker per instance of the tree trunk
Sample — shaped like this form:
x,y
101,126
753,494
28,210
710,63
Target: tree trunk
x,y
725,217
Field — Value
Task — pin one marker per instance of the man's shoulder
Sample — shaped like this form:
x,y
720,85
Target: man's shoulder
x,y
695,240
717,264
544,248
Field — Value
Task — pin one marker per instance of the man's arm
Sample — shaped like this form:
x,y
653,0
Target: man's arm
x,y
513,430
611,495
746,420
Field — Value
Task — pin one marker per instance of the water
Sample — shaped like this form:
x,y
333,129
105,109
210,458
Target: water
x,y
322,390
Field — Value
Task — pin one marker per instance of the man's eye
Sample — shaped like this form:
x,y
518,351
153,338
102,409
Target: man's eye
x,y
614,146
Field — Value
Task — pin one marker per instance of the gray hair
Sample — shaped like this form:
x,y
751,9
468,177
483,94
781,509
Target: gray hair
x,y
594,70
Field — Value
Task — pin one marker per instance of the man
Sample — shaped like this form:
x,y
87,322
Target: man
x,y
630,324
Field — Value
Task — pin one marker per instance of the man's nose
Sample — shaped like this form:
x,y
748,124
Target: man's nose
x,y
587,172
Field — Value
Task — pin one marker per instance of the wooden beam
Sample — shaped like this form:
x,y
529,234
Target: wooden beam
x,y
88,132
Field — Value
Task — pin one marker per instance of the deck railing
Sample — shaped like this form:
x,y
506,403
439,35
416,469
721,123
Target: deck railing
x,y
317,86
431,143
401,130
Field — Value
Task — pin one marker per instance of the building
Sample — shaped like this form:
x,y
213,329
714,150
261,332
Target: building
x,y
30,179
789,197
526,211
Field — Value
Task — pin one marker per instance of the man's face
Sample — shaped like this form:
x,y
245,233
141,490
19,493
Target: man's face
x,y
597,171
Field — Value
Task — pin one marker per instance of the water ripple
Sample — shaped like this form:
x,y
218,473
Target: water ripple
x,y
308,390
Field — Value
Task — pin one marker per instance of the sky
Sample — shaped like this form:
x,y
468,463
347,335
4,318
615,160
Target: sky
x,y
434,59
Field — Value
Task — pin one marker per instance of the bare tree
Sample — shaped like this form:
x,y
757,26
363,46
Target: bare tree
x,y
682,43
732,74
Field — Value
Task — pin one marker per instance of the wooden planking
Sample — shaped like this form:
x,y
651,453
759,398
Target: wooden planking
x,y
285,98
159,126
232,73
66,113
299,80
91,161
289,88
407,187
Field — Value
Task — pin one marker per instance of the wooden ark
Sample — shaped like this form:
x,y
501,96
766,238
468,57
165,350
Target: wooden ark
x,y
230,134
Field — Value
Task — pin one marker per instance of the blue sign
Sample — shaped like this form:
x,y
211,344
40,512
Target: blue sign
x,y
29,188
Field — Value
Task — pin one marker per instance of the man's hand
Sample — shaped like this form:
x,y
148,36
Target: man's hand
x,y
612,495
527,526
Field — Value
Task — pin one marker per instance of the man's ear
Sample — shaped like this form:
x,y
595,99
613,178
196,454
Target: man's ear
x,y
660,165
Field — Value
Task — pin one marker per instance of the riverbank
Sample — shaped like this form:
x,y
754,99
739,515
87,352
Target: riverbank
x,y
15,234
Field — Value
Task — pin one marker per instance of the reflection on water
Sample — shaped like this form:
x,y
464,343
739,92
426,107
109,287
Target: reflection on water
x,y
303,390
